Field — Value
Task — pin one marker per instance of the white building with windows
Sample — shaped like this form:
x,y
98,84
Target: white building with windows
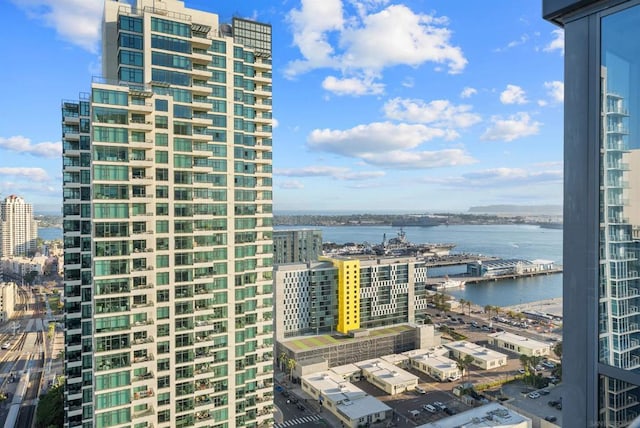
x,y
386,376
483,357
434,362
352,406
18,229
519,344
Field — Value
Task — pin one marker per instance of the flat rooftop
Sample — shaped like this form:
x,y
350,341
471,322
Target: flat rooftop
x,y
348,398
521,341
476,351
395,359
386,372
489,415
327,340
419,353
345,370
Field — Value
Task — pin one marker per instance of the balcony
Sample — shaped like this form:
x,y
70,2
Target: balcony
x,y
143,394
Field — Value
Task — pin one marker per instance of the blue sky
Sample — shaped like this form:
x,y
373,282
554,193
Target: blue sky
x,y
380,105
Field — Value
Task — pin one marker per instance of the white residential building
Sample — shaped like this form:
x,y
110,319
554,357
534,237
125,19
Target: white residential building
x,y
18,229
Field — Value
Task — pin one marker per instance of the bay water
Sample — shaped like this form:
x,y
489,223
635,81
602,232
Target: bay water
x,y
528,242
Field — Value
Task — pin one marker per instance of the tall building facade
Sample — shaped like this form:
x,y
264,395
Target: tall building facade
x,y
18,229
168,224
296,246
344,294
601,312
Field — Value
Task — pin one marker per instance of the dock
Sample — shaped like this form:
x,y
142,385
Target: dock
x,y
435,280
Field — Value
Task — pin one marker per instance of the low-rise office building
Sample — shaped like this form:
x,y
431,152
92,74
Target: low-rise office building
x,y
348,372
521,345
352,406
389,378
483,358
434,362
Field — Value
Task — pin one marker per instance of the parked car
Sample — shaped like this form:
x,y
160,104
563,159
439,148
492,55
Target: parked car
x,y
453,378
553,403
439,405
414,413
549,364
543,392
429,408
449,411
534,395
420,390
550,418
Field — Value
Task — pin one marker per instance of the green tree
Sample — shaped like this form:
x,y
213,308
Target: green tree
x,y
282,360
30,277
50,411
557,349
291,364
464,363
462,303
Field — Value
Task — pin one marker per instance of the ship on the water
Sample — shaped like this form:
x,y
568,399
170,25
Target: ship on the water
x,y
395,247
449,283
400,246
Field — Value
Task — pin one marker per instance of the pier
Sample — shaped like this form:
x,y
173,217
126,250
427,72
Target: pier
x,y
436,280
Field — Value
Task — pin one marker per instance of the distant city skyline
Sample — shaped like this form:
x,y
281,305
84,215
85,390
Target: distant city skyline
x,y
404,106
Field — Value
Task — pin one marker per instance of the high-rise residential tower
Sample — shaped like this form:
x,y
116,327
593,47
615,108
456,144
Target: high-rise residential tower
x,y
601,313
168,224
18,229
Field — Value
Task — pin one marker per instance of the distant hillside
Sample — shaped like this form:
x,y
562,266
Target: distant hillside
x,y
551,210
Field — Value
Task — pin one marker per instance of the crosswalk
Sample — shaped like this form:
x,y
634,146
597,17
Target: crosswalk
x,y
299,421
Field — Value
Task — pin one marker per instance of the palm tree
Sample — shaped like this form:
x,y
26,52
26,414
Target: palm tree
x,y
526,365
282,360
464,363
291,364
462,303
487,310
469,307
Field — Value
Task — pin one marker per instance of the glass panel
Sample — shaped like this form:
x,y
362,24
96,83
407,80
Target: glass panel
x,y
619,282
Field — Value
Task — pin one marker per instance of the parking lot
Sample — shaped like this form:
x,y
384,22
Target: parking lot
x,y
536,406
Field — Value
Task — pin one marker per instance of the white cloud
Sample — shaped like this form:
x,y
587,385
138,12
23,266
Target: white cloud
x,y
419,160
501,177
542,103
412,40
20,144
274,123
311,25
372,138
389,145
76,21
515,126
408,82
513,95
352,86
557,44
370,42
512,44
291,184
468,92
439,113
338,173
32,174
555,90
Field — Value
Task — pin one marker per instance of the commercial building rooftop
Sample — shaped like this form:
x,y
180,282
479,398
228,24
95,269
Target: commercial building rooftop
x,y
489,415
476,351
314,342
348,399
518,340
386,372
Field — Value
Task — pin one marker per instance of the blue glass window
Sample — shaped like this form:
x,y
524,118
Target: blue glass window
x,y
132,41
170,44
129,23
130,58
